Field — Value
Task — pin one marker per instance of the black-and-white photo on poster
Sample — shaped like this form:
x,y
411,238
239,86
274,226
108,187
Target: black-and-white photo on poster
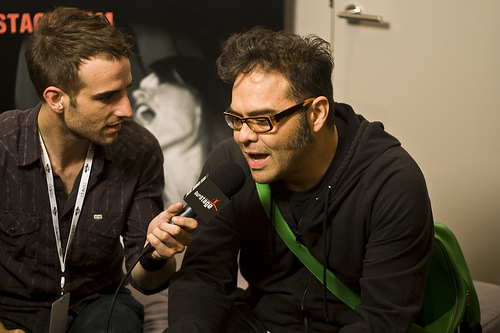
x,y
176,93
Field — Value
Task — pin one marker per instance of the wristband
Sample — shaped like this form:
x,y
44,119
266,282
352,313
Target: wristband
x,y
151,264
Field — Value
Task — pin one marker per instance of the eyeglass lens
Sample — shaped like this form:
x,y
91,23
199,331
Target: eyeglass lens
x,y
258,124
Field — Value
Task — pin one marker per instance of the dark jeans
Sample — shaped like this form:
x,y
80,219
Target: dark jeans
x,y
242,320
10,325
127,317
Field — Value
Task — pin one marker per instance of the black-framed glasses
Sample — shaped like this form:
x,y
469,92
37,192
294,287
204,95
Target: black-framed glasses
x,y
263,124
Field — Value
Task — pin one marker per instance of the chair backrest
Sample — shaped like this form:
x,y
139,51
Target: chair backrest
x,y
450,298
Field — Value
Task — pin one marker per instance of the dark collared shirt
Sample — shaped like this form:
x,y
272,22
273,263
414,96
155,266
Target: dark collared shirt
x,y
123,196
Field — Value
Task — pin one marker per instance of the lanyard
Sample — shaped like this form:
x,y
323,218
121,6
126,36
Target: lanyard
x,y
87,167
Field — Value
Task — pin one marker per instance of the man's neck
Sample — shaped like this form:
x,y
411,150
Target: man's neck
x,y
66,152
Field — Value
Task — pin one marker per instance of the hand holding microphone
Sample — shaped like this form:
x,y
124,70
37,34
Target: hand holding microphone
x,y
169,237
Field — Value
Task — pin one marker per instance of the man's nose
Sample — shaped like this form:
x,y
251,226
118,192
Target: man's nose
x,y
245,134
124,109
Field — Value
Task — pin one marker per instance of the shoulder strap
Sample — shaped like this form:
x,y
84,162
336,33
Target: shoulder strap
x,y
333,284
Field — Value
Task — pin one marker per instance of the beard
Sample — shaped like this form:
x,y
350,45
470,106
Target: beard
x,y
83,128
304,137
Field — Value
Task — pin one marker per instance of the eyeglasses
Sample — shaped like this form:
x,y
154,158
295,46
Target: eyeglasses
x,y
263,124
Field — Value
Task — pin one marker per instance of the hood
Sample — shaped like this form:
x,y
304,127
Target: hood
x,y
366,142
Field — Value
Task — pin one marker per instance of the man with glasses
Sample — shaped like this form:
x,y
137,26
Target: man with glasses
x,y
346,189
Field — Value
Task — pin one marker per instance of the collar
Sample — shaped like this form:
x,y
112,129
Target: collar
x,y
29,148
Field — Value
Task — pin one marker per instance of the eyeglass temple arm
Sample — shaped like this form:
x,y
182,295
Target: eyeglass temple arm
x,y
288,112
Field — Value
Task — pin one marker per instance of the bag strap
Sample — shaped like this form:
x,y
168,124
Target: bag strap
x,y
333,284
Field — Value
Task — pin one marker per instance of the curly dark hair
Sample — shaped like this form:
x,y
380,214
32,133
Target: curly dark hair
x,y
66,37
305,62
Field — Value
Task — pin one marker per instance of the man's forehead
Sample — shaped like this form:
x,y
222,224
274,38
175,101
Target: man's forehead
x,y
261,77
253,101
100,76
100,68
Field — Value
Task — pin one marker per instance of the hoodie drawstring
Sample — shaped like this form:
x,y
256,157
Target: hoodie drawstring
x,y
326,254
272,230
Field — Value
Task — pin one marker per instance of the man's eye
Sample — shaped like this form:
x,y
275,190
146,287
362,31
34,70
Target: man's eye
x,y
260,121
107,97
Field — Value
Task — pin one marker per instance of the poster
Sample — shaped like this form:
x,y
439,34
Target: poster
x,y
176,43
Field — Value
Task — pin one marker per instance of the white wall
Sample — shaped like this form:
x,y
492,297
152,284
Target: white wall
x,y
308,17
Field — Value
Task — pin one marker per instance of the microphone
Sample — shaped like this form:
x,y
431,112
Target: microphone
x,y
211,194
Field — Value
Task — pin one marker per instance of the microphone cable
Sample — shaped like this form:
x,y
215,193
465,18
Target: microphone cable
x,y
144,252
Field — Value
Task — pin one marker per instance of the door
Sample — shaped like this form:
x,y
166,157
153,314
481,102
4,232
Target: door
x,y
430,71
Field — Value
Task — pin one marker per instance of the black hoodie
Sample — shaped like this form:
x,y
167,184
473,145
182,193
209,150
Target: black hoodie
x,y
372,211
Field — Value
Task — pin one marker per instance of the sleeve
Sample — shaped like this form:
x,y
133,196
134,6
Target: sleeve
x,y
146,201
202,292
398,249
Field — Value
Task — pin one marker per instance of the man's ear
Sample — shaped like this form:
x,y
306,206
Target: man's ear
x,y
54,98
320,109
